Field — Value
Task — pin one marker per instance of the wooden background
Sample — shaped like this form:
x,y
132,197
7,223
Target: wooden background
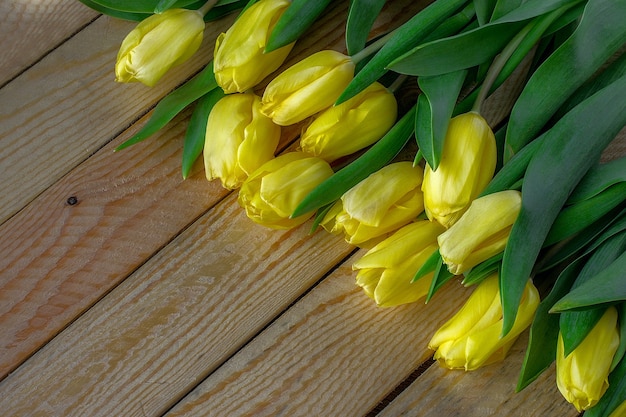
x,y
154,295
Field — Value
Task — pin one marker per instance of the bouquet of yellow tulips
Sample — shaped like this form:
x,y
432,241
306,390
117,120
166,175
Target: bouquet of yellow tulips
x,y
529,203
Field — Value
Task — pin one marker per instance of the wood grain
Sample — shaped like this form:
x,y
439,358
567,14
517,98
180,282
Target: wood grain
x,y
31,29
333,354
184,312
488,391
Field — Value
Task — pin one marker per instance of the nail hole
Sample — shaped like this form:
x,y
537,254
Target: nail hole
x,y
72,201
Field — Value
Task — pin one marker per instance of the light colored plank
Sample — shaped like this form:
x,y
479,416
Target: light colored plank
x,y
159,333
333,354
30,29
67,106
488,391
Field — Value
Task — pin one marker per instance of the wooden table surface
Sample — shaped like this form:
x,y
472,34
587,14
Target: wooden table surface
x,y
153,295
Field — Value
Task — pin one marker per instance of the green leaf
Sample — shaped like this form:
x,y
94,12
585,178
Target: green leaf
x,y
614,395
141,6
457,52
294,21
223,8
174,103
433,114
575,325
600,33
371,161
598,179
544,330
610,224
136,17
405,37
503,7
196,130
605,287
566,153
484,10
442,275
361,17
574,218
621,350
482,270
429,266
319,216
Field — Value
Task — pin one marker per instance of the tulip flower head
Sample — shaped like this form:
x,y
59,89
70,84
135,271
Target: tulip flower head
x,y
582,376
274,190
385,271
482,231
472,337
239,139
380,204
467,165
158,43
352,125
240,60
307,87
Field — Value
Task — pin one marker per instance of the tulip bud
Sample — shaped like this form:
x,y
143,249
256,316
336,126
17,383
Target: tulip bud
x,y
307,87
386,270
351,126
274,190
158,43
383,202
481,232
472,337
582,376
467,165
239,139
240,61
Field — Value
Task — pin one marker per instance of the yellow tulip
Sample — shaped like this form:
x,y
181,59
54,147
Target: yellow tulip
x,y
385,271
620,411
383,202
467,165
351,126
274,190
472,337
240,61
307,87
482,231
582,376
158,43
239,139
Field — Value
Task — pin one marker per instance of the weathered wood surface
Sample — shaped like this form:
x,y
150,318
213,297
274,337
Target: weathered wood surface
x,y
155,295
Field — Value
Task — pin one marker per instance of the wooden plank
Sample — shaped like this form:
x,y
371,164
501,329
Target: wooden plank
x,y
333,354
30,29
161,331
67,106
488,391
59,259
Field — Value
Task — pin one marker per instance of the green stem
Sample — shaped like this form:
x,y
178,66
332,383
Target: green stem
x,y
498,63
397,83
371,48
204,9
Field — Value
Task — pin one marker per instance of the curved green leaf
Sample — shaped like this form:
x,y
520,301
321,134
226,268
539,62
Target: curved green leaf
x,y
140,6
405,37
457,52
566,153
598,179
136,17
575,325
484,10
606,287
482,270
429,266
298,17
503,7
574,218
223,8
371,161
600,33
441,276
174,103
361,17
544,330
433,114
196,130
